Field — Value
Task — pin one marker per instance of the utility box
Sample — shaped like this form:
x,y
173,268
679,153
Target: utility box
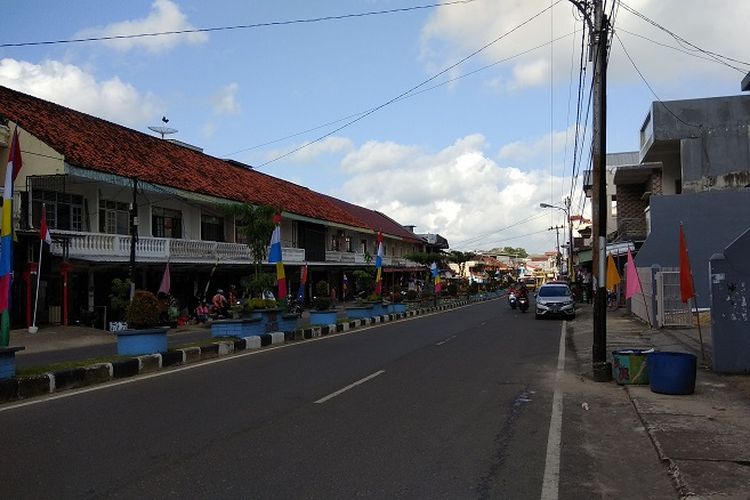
x,y
730,314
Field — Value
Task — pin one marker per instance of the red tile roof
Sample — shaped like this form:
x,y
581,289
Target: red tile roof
x,y
377,220
96,144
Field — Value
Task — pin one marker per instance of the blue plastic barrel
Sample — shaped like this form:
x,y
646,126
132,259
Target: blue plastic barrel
x,y
672,372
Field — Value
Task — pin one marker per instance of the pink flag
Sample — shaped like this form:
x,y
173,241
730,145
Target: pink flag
x,y
633,283
166,281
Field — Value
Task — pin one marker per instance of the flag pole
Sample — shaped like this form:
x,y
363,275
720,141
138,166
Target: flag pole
x,y
645,303
698,321
33,328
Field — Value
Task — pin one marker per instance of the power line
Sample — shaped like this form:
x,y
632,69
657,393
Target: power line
x,y
481,236
683,51
413,94
651,88
235,27
424,82
718,57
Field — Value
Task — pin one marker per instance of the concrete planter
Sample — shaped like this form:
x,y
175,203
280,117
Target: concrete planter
x,y
318,318
271,318
8,362
145,341
287,323
396,308
359,312
238,327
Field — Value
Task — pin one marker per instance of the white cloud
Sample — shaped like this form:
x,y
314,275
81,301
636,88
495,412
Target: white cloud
x,y
224,101
454,31
459,192
208,130
524,151
70,86
374,156
165,16
327,146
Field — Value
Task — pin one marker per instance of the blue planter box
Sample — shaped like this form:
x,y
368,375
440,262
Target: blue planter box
x,y
322,317
396,308
237,327
378,309
146,341
287,323
358,312
8,361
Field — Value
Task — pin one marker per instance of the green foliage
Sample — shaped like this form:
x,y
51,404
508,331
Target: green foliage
x,y
452,289
364,280
119,298
411,295
426,259
322,300
255,224
143,311
515,252
374,297
256,284
474,288
258,303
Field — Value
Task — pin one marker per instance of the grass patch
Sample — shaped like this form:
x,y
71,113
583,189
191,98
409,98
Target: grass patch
x,y
66,365
205,342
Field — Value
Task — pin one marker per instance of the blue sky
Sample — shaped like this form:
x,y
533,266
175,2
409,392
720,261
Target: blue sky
x,y
469,158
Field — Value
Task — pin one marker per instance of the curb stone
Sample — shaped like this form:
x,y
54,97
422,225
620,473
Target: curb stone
x,y
38,385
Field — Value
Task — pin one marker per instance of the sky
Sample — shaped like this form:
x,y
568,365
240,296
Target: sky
x,y
458,118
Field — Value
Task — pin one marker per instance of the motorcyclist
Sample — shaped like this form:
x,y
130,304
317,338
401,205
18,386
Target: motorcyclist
x,y
522,291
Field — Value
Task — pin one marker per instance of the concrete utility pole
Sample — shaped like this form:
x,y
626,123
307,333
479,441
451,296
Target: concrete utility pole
x,y
571,277
598,51
556,229
601,369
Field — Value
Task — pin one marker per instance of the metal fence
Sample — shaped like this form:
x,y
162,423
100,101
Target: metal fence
x,y
659,302
671,311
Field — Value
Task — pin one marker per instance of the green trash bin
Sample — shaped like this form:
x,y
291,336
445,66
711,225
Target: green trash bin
x,y
630,367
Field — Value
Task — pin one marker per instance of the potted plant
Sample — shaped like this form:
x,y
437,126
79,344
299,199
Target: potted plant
x,y
396,306
143,335
322,314
377,304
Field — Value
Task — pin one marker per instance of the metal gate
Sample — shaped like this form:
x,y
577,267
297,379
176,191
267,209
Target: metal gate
x,y
670,310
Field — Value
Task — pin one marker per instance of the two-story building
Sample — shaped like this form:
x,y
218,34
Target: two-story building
x,y
92,176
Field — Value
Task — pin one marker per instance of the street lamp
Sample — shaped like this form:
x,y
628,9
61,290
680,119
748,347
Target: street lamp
x,y
565,209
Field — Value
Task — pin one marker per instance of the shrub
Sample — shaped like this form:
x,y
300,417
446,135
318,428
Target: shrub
x,y
322,301
411,295
253,304
374,297
143,311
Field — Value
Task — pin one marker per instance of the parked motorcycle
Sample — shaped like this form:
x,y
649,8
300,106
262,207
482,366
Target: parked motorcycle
x,y
512,300
295,307
523,304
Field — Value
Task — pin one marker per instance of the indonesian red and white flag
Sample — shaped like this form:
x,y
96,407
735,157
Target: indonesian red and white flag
x,y
44,233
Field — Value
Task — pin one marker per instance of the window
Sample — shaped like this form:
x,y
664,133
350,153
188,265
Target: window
x,y
348,243
166,223
114,217
334,245
613,205
364,246
212,228
64,211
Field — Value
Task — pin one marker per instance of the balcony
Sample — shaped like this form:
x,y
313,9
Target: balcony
x,y
116,248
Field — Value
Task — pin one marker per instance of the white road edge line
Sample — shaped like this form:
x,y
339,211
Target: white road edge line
x,y
446,340
551,481
344,389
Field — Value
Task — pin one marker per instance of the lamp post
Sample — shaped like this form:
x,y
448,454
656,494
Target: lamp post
x,y
566,209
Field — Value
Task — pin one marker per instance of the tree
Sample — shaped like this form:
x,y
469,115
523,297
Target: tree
x,y
426,259
461,258
255,224
515,252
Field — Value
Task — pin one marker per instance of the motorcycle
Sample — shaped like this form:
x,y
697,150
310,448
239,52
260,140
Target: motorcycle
x,y
512,300
295,307
523,304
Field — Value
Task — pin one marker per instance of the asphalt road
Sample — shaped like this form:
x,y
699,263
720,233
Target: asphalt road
x,y
451,405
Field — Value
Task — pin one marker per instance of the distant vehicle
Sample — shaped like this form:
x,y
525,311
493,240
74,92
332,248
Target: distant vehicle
x,y
555,299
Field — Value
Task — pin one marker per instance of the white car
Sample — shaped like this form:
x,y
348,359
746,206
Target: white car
x,y
555,299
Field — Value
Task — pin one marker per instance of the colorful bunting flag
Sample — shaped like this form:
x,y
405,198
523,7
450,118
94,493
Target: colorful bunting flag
x,y
632,280
613,277
275,256
6,238
379,265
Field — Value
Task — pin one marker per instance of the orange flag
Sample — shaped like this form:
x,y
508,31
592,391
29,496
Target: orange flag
x,y
686,275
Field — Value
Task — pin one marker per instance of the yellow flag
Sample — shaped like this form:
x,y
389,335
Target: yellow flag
x,y
613,277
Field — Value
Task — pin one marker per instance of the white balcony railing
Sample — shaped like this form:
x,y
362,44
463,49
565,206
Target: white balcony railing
x,y
116,247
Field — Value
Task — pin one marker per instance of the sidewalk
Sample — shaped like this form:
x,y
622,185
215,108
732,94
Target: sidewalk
x,y
702,439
